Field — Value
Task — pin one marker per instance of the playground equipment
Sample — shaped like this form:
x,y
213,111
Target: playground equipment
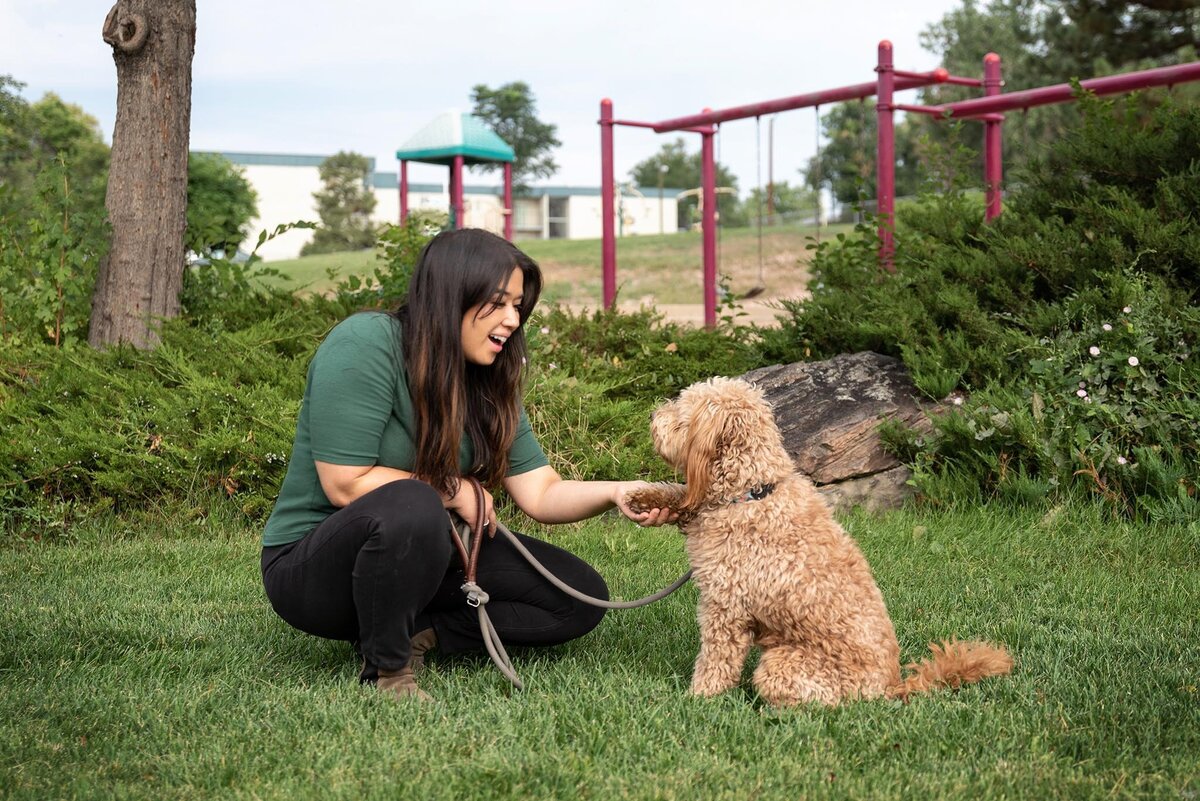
x,y
457,140
888,81
698,193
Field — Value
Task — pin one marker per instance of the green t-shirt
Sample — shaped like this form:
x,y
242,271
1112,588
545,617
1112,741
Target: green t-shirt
x,y
357,410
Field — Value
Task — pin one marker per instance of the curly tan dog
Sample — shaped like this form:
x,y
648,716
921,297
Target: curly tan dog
x,y
774,569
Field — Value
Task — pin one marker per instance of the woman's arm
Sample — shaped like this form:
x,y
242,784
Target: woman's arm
x,y
548,498
344,484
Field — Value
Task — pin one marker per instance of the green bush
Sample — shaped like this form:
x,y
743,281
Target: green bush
x,y
51,244
397,250
213,408
596,376
221,204
1067,329
204,411
638,354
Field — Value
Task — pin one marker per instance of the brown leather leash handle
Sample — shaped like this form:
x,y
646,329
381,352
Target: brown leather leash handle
x,y
473,537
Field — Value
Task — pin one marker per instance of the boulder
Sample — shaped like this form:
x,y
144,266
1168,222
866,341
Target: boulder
x,y
828,413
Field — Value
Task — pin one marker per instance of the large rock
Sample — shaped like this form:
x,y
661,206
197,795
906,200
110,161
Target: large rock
x,y
829,411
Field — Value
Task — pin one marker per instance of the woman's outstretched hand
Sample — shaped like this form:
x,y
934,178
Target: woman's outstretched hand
x,y
648,517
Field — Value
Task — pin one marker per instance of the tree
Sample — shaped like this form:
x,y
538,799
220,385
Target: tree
x,y
511,112
847,162
53,164
1080,36
684,172
787,202
1043,42
35,135
140,277
221,204
345,205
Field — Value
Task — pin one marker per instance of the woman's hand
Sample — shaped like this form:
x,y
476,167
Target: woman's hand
x,y
465,505
649,517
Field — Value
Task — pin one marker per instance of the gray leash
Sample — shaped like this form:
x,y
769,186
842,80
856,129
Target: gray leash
x,y
477,598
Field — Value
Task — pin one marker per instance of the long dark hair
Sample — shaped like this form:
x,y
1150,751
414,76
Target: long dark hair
x,y
456,271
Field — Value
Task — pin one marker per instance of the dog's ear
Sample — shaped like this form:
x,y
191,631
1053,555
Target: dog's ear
x,y
704,437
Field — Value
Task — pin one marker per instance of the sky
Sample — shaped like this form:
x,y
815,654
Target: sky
x,y
314,78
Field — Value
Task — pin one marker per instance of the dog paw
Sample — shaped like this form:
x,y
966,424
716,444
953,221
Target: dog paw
x,y
708,688
656,496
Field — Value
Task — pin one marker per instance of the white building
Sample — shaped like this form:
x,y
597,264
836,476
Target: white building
x,y
285,184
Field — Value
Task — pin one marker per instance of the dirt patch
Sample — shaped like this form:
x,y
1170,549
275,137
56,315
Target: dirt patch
x,y
756,294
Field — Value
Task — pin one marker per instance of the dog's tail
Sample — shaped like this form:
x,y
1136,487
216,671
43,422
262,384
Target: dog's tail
x,y
953,664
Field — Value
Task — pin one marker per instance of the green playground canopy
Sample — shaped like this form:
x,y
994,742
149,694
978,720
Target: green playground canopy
x,y
456,134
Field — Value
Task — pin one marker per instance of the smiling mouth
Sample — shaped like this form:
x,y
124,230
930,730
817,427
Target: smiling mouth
x,y
498,341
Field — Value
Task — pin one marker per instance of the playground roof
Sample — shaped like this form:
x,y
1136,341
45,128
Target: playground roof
x,y
453,134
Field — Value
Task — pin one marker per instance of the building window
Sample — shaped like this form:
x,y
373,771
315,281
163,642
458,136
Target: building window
x,y
558,219
527,214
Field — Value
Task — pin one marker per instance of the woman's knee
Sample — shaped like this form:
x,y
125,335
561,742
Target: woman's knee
x,y
585,616
408,514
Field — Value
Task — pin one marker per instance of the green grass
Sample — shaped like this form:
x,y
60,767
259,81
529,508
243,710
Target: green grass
x,y
667,267
141,660
322,272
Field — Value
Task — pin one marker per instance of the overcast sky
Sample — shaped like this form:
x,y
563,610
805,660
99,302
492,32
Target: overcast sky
x,y
362,75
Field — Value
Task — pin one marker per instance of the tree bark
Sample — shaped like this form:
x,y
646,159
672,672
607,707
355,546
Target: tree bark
x,y
139,280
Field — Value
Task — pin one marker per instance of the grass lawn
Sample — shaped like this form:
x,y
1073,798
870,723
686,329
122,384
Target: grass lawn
x,y
141,660
666,268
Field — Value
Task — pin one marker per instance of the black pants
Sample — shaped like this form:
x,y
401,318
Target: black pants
x,y
384,567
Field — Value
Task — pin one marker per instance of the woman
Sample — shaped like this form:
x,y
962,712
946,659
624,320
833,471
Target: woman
x,y
397,408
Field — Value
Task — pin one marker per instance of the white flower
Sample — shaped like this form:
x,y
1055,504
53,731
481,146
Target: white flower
x,y
1127,309
544,330
1133,361
1106,327
1081,393
1082,384
958,401
1122,460
553,366
1095,351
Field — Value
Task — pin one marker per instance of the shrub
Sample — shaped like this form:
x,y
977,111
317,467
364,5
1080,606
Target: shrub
x,y
213,408
203,411
50,249
1068,327
398,248
221,204
595,377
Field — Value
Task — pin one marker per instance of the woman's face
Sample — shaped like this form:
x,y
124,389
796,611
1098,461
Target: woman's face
x,y
487,327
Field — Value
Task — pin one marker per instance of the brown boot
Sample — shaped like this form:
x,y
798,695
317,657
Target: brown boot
x,y
402,682
422,641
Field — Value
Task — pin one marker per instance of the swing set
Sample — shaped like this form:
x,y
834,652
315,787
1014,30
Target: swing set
x,y
987,109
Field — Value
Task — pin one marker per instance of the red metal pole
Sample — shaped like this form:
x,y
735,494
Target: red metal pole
x,y
456,191
403,191
993,164
508,202
608,245
1064,92
822,98
708,182
885,159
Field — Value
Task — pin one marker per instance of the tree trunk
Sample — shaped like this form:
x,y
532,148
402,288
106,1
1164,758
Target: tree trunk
x,y
139,281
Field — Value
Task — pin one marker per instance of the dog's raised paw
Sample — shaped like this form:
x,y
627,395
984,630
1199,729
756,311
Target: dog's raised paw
x,y
656,496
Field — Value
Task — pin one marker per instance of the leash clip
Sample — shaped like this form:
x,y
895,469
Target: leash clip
x,y
476,597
